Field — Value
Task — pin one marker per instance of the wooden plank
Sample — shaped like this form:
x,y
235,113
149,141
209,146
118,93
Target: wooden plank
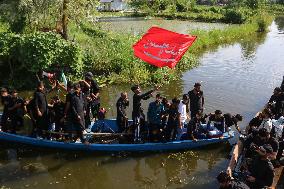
x,y
235,156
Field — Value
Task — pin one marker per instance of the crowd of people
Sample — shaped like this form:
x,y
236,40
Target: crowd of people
x,y
262,148
166,120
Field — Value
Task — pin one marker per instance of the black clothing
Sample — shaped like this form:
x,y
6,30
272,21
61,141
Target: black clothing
x,y
41,102
77,109
273,143
235,184
16,114
219,122
137,110
58,109
5,100
192,127
173,123
196,102
230,120
277,109
263,172
121,120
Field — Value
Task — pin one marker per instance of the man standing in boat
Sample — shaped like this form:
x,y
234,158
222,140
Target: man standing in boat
x,y
41,109
121,118
196,100
137,113
77,111
5,100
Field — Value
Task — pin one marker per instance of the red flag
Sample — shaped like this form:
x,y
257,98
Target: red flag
x,y
162,47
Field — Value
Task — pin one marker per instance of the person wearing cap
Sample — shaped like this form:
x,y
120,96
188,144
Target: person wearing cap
x,y
217,119
154,114
226,182
16,111
138,116
231,120
277,102
262,170
183,114
196,100
5,101
121,117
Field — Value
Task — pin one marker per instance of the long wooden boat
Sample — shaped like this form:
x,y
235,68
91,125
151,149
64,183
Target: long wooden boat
x,y
95,147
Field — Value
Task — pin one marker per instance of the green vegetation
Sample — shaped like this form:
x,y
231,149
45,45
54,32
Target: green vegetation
x,y
29,42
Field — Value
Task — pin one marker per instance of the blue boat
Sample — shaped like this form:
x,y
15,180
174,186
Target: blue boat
x,y
94,147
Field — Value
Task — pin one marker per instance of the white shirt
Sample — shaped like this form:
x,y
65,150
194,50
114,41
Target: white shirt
x,y
182,111
267,124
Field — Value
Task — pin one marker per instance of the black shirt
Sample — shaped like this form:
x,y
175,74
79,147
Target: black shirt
x,y
6,100
256,121
236,185
40,102
263,172
230,120
196,100
59,110
137,101
121,105
77,108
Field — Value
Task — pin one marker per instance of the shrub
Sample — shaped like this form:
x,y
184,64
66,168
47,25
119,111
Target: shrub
x,y
235,16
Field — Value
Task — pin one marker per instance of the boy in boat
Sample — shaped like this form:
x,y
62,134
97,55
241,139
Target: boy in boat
x,y
154,114
196,100
182,109
194,128
231,120
58,108
217,120
121,118
174,121
137,113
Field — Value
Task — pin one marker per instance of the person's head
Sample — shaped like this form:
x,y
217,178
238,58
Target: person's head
x,y
123,95
158,98
69,85
175,102
224,179
239,117
263,134
14,93
40,86
218,113
277,91
4,91
26,101
77,88
264,151
165,102
185,98
197,86
56,99
89,77
266,113
136,89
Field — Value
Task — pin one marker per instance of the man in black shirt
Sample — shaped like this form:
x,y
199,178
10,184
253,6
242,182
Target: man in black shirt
x,y
121,118
16,111
41,109
196,100
77,111
277,102
226,182
217,120
265,138
5,100
137,113
58,108
262,171
232,120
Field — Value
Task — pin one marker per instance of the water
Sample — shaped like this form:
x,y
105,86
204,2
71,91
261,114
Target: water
x,y
141,25
237,78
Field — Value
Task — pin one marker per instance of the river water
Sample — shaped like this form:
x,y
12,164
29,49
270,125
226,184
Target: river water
x,y
237,78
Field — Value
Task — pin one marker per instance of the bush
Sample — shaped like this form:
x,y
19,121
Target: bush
x,y
235,16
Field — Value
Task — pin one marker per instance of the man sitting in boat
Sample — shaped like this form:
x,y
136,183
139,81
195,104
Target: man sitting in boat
x,y
277,102
195,128
266,122
154,114
261,170
138,116
216,121
231,120
121,118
